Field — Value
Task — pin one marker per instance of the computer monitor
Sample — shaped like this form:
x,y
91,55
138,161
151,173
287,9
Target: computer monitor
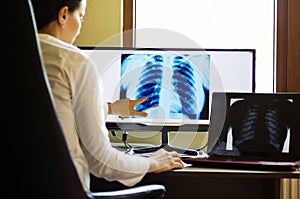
x,y
255,125
177,82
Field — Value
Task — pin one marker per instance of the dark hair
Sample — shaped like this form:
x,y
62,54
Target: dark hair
x,y
46,11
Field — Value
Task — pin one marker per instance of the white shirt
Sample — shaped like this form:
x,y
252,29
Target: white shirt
x,y
78,96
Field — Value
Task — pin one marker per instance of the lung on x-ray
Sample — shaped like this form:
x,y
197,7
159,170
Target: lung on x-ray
x,y
176,85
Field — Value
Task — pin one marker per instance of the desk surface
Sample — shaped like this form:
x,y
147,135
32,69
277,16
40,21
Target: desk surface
x,y
196,171
195,182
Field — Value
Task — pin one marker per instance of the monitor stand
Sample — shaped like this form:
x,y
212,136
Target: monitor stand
x,y
165,145
164,130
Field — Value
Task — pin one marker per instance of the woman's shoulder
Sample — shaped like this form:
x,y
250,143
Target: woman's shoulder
x,y
65,56
60,47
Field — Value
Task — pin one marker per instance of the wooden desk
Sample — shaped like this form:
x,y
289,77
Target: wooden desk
x,y
206,183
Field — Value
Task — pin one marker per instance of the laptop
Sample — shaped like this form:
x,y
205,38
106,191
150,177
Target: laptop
x,y
252,131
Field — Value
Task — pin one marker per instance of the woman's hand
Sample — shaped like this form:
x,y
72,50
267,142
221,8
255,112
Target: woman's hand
x,y
163,160
125,108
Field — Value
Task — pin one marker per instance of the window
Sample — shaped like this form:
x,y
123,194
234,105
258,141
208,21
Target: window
x,y
218,24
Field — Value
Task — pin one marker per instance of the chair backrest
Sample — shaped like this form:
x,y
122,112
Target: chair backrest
x,y
42,166
37,160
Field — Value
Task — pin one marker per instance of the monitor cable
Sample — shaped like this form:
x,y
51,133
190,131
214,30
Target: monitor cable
x,y
124,140
201,151
201,148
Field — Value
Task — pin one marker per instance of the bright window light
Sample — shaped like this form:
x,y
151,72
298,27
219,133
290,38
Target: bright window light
x,y
246,24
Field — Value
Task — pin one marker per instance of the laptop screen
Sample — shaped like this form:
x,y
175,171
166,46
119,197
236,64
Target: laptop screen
x,y
252,125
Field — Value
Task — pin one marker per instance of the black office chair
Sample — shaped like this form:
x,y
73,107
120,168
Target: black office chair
x,y
37,161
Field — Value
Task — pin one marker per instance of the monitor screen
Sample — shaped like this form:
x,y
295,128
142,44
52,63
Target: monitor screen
x,y
254,125
177,83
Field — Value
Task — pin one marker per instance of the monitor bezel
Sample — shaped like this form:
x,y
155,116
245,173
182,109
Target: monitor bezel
x,y
115,119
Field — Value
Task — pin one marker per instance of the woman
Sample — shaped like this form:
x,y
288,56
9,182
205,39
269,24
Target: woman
x,y
74,80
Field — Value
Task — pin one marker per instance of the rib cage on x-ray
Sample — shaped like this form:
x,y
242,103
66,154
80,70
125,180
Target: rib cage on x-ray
x,y
150,83
169,84
183,81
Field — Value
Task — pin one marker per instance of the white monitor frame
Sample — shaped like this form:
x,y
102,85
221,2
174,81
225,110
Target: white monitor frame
x,y
231,70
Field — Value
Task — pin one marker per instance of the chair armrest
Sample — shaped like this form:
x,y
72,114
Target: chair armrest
x,y
153,191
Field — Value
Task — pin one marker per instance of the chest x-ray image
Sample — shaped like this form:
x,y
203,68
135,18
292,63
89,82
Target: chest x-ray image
x,y
176,85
